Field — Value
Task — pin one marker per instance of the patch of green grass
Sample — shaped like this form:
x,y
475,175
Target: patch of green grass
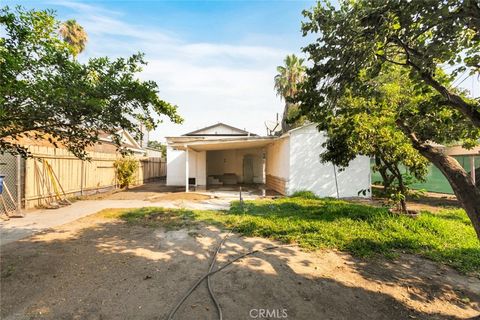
x,y
304,194
362,230
171,219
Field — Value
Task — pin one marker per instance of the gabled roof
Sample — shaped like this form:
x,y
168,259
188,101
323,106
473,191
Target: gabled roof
x,y
126,139
105,144
223,130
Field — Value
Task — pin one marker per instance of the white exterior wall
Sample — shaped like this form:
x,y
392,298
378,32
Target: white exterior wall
x,y
176,167
294,158
278,158
308,173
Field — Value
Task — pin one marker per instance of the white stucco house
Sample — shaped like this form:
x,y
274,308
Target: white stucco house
x,y
224,155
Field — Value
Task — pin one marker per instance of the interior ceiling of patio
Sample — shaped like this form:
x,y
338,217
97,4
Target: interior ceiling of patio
x,y
226,145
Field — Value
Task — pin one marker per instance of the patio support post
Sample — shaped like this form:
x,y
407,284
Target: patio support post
x,y
186,169
264,166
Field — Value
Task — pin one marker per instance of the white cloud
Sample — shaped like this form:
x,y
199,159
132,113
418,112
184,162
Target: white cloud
x,y
210,82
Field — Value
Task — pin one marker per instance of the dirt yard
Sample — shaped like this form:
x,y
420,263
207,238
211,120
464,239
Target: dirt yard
x,y
97,268
158,191
146,192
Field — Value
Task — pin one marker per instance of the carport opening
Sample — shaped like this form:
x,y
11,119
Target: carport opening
x,y
235,167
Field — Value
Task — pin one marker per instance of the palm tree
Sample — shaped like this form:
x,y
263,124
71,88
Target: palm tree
x,y
74,35
287,82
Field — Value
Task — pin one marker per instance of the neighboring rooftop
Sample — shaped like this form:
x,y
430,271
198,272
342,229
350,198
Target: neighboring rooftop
x,y
220,129
105,143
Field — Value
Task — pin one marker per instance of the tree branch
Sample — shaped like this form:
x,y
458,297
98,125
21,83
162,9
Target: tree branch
x,y
469,110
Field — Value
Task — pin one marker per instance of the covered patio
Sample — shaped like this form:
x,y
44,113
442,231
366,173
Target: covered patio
x,y
215,164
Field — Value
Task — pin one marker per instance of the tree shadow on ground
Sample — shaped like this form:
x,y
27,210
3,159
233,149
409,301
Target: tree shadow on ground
x,y
108,269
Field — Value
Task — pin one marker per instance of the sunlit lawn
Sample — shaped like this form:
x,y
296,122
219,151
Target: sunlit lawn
x,y
362,230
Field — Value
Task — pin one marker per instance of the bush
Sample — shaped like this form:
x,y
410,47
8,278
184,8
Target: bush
x,y
125,169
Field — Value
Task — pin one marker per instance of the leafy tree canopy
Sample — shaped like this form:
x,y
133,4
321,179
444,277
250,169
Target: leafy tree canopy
x,y
421,36
45,93
287,84
74,35
366,124
353,76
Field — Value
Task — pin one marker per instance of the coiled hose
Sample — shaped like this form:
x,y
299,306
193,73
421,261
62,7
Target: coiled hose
x,y
212,272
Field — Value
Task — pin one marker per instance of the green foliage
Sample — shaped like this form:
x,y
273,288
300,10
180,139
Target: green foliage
x,y
377,76
74,35
157,145
295,117
420,36
44,94
365,231
371,92
287,85
305,194
125,170
399,190
289,76
365,124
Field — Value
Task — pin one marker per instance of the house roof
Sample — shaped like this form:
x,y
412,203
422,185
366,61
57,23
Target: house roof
x,y
105,144
207,131
199,141
127,140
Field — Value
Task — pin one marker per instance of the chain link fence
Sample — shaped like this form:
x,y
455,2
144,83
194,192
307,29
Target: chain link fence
x,y
435,180
12,168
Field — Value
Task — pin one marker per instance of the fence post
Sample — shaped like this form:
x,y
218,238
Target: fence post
x,y
19,183
29,182
81,177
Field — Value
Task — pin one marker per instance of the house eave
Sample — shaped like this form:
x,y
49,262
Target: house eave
x,y
221,144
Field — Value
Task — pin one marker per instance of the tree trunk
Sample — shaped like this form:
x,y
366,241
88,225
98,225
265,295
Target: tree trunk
x,y
401,187
403,191
462,184
382,169
285,125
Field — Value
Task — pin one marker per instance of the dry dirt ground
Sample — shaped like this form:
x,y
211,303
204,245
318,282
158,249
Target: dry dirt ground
x,y
158,191
431,202
149,191
97,268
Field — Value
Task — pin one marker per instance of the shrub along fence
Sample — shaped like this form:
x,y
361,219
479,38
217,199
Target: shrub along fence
x,y
75,177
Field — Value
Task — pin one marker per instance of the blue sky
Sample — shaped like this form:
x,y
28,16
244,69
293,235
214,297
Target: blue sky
x,y
214,59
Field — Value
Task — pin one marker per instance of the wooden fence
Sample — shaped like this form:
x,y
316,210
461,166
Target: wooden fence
x,y
78,177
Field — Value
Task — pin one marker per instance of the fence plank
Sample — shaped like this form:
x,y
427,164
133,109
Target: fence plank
x,y
98,173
